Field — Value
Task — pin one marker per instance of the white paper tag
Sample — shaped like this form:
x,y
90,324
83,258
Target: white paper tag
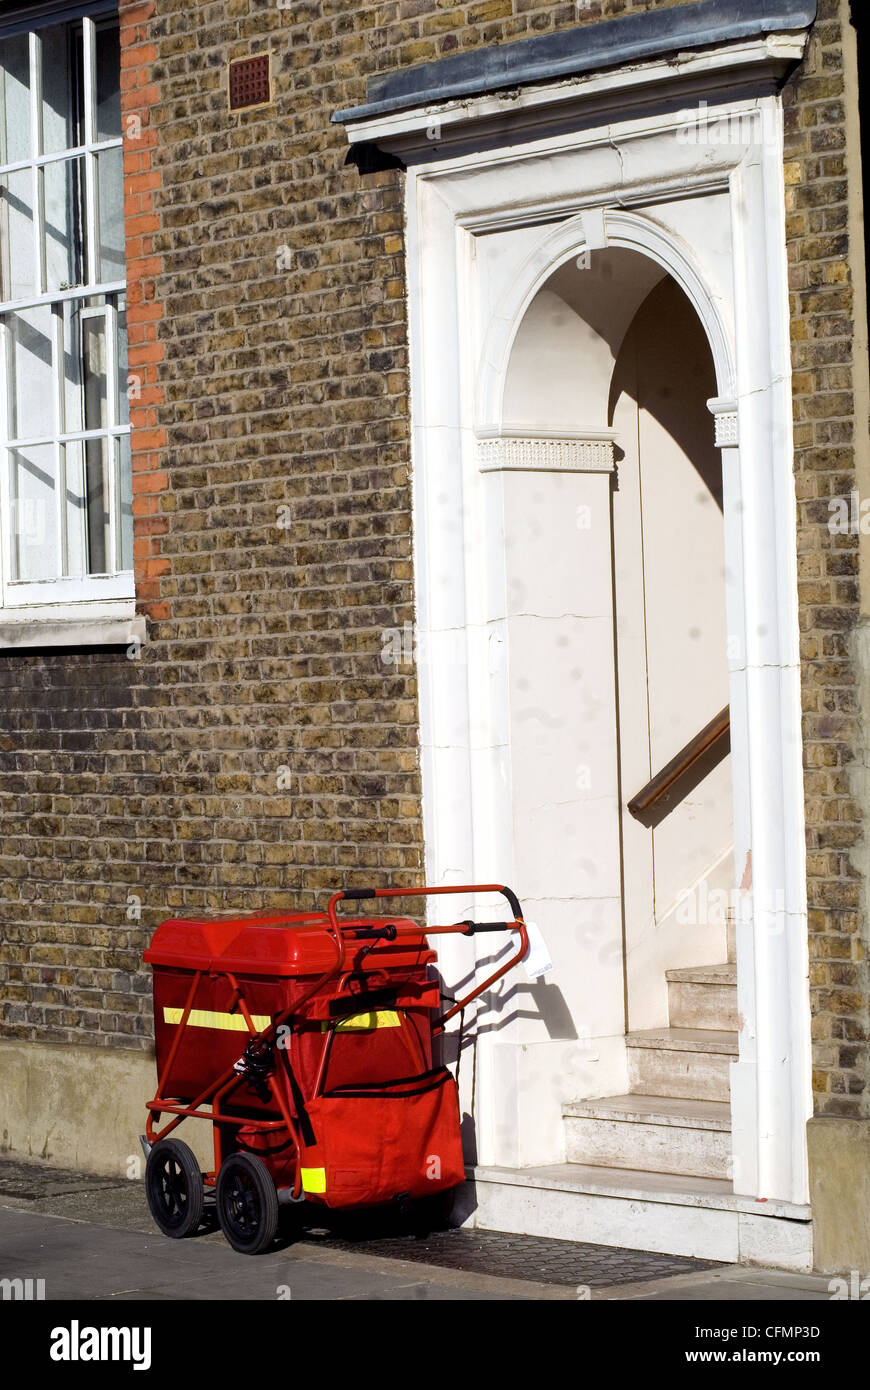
x,y
537,958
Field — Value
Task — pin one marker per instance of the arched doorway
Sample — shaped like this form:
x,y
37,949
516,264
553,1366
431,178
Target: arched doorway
x,y
611,350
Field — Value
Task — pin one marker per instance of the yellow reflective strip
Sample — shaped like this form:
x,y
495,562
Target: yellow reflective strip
x,y
380,1018
313,1179
208,1018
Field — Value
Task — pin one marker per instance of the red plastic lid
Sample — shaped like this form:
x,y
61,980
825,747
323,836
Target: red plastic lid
x,y
295,943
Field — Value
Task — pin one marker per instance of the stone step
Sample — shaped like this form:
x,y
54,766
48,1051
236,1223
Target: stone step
x,y
651,1133
692,1063
702,1217
703,997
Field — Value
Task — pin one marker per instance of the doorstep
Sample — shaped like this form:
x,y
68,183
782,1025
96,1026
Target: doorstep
x,y
697,1217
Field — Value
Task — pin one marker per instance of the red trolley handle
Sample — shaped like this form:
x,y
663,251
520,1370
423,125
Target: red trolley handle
x,y
458,928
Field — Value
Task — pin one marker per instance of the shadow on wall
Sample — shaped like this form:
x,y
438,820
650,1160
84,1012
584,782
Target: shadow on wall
x,y
665,366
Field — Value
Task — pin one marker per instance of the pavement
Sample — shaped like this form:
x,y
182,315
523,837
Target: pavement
x,y
90,1238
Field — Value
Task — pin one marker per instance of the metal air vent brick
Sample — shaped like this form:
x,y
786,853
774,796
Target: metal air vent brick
x,y
249,82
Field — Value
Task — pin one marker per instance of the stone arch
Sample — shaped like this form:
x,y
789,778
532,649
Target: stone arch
x,y
613,229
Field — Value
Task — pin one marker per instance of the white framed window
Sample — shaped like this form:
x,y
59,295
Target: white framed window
x,y
66,525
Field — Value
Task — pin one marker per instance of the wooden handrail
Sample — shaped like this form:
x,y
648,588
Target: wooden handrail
x,y
657,789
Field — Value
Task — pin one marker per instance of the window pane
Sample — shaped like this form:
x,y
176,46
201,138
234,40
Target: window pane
x,y
110,182
64,224
125,387
16,235
87,515
94,370
14,100
125,496
32,504
75,509
62,117
108,83
97,486
87,507
72,367
31,390
86,363
99,457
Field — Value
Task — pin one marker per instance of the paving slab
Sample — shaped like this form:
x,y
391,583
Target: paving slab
x,y
79,1260
728,1283
93,1238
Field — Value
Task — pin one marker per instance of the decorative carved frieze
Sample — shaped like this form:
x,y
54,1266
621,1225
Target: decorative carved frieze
x,y
588,453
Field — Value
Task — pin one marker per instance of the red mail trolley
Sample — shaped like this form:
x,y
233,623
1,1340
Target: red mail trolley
x,y
306,1039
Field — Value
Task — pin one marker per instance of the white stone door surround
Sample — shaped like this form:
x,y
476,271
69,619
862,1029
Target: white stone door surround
x,y
702,196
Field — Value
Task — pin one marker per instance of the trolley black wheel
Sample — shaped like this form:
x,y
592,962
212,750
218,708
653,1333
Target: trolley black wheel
x,y
247,1203
174,1188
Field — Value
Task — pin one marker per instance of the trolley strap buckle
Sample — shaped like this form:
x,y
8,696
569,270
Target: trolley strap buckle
x,y
257,1060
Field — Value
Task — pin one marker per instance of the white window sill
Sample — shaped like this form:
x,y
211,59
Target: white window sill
x,y
107,623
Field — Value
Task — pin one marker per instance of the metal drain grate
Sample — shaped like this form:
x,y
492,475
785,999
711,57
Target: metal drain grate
x,y
536,1258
